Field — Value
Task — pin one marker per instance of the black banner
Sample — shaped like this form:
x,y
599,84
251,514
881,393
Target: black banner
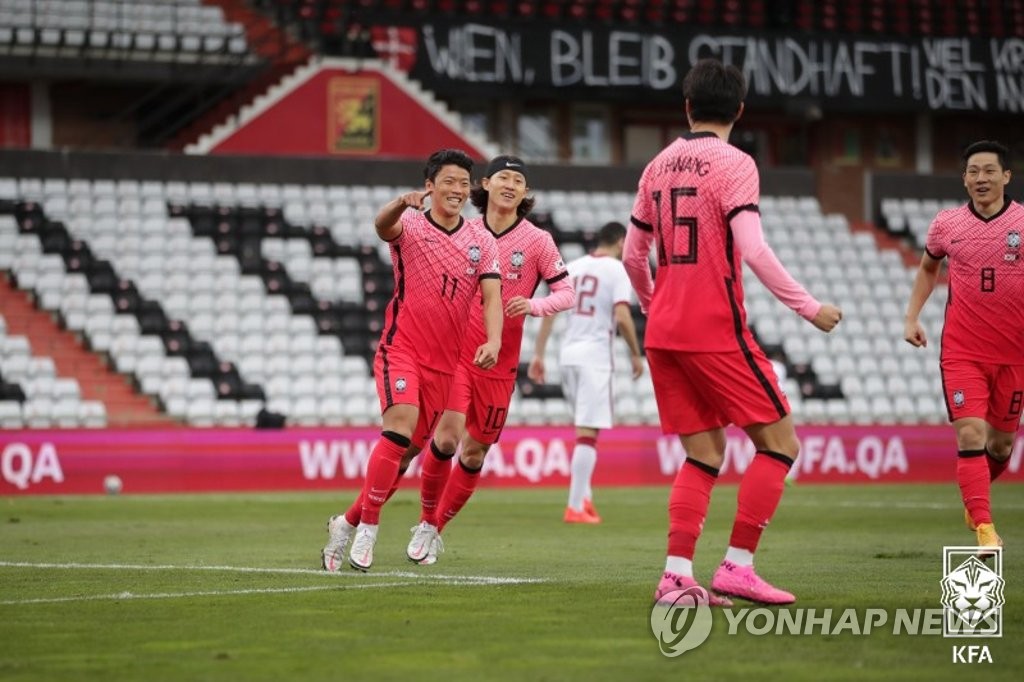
x,y
831,72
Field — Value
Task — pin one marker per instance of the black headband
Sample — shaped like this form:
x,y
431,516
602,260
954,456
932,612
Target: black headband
x,y
506,162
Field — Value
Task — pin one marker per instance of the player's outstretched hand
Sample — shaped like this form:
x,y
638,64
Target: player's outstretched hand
x,y
536,370
827,318
913,333
415,199
516,306
486,355
638,366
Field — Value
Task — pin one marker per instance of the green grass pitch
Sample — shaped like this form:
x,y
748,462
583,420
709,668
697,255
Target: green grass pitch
x,y
174,588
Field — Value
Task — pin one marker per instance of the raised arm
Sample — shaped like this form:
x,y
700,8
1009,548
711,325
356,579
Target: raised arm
x,y
756,253
387,222
561,297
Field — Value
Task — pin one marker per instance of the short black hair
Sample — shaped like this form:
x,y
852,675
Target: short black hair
x,y
446,157
610,234
981,146
478,196
715,91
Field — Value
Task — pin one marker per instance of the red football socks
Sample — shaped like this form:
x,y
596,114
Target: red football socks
x,y
759,495
355,512
973,475
437,468
996,467
688,506
381,473
457,493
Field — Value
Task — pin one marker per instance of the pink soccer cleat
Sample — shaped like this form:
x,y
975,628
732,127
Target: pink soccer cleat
x,y
741,581
672,582
573,516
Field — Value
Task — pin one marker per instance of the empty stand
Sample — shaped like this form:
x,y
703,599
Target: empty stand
x,y
148,29
911,217
338,27
32,393
221,299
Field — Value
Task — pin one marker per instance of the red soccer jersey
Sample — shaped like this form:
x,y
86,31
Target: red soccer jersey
x,y
526,255
687,196
436,277
985,310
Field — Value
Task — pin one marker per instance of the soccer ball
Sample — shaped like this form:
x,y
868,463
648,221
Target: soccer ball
x,y
112,484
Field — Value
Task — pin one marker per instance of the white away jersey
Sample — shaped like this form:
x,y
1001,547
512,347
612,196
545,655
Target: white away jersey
x,y
600,283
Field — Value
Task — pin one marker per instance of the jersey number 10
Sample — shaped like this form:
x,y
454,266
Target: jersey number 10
x,y
677,242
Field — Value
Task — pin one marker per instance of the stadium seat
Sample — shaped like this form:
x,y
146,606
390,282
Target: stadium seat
x,y
11,414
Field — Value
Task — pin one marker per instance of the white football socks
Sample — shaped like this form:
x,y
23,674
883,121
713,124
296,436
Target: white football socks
x,y
584,459
740,557
679,565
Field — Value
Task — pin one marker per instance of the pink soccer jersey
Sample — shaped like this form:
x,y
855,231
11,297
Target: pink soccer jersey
x,y
687,196
527,255
436,280
985,310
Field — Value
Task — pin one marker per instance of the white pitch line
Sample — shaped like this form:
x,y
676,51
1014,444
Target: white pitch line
x,y
437,577
880,504
124,596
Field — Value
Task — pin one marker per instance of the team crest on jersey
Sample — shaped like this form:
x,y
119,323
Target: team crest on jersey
x,y
517,259
958,398
401,384
560,264
474,253
1013,240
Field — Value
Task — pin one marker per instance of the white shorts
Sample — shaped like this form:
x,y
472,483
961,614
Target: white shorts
x,y
589,392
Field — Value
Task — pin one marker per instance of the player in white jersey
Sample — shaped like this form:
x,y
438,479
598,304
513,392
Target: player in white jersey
x,y
603,294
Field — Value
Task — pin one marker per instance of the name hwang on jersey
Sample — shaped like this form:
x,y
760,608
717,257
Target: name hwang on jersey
x,y
686,164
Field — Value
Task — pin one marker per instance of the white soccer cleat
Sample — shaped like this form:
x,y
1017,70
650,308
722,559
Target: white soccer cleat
x,y
436,547
339,532
425,544
361,556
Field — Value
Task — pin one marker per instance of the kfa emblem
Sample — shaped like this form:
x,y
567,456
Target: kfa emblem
x,y
1013,240
517,259
400,384
958,398
474,254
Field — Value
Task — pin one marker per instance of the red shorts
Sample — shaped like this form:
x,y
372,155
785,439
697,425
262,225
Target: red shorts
x,y
702,391
402,380
484,401
983,390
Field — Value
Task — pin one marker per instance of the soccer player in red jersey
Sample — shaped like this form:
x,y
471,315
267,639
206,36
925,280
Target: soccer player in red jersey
x,y
982,359
698,202
440,261
479,399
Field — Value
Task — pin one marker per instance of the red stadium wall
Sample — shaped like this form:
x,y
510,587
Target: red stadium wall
x,y
15,115
193,460
346,113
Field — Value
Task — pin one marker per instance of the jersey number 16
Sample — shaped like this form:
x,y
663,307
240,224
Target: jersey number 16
x,y
677,241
